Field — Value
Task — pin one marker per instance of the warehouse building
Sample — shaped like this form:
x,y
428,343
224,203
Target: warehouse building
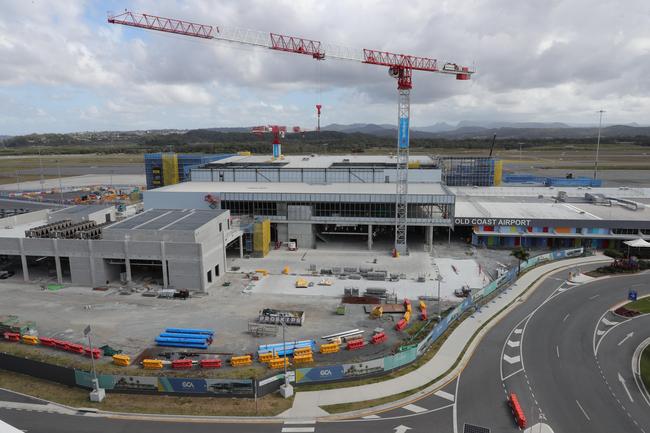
x,y
184,249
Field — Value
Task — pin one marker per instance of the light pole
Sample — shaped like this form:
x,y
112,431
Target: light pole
x,y
439,279
97,394
286,390
600,125
58,167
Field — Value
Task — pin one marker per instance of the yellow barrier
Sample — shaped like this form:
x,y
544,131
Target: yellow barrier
x,y
244,153
264,272
303,359
408,308
152,364
285,270
279,363
239,361
423,306
30,339
329,348
302,351
122,360
407,316
266,357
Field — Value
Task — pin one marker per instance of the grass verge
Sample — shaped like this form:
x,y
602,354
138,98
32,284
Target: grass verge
x,y
641,305
269,405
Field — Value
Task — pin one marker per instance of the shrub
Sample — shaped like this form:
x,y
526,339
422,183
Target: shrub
x,y
614,254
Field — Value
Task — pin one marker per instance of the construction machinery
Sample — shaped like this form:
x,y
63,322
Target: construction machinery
x,y
400,67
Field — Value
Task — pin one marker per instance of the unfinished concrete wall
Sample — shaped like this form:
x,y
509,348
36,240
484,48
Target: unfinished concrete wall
x,y
303,234
186,275
80,272
283,232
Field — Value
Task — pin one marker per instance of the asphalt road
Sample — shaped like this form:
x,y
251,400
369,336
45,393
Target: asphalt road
x,y
543,350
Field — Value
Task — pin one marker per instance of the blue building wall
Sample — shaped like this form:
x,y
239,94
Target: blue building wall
x,y
186,162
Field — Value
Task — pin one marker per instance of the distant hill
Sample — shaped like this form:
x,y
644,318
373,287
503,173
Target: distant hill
x,y
4,137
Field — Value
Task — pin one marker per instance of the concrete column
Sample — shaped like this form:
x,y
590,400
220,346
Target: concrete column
x,y
23,260
163,261
91,263
449,238
369,236
57,263
241,246
429,235
127,262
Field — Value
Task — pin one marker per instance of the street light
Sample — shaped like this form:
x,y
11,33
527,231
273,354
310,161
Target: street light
x,y
286,390
600,125
97,394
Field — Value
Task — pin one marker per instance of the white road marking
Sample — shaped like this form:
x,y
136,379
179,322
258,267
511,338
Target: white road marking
x,y
594,297
371,417
557,351
622,380
599,332
512,374
583,411
511,359
401,428
413,408
626,338
517,331
445,395
298,429
513,343
565,317
297,421
608,322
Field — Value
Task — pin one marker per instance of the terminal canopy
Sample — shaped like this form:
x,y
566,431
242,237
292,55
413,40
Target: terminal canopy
x,y
637,243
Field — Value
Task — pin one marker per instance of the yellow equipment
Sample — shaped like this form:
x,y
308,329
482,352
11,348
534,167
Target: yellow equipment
x,y
301,283
239,361
152,364
329,348
122,360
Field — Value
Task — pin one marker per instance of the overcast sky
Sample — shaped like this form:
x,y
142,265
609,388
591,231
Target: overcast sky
x,y
63,68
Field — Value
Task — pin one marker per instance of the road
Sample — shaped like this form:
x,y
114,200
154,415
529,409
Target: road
x,y
543,350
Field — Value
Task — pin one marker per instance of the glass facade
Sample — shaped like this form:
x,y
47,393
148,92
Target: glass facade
x,y
470,171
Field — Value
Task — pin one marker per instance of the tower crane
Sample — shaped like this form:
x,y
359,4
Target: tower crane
x,y
400,67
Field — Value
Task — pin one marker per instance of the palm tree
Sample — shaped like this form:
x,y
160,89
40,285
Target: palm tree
x,y
521,255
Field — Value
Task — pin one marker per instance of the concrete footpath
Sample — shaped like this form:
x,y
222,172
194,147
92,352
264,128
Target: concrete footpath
x,y
441,366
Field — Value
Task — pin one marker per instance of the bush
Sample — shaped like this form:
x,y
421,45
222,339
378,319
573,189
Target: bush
x,y
614,254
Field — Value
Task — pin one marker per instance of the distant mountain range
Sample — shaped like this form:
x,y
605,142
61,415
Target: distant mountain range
x,y
511,130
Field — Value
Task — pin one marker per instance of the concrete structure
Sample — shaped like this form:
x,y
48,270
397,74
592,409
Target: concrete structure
x,y
302,212
180,248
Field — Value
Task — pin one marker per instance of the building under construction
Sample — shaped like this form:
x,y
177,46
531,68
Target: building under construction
x,y
310,199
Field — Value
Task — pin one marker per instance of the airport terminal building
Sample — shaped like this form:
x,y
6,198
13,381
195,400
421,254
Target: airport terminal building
x,y
310,198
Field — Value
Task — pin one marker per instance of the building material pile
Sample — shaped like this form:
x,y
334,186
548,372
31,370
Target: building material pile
x,y
185,337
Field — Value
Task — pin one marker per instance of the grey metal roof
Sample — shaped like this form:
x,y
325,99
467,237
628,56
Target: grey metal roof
x,y
168,219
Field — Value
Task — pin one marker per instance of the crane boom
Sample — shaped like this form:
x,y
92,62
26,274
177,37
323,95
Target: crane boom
x,y
401,67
